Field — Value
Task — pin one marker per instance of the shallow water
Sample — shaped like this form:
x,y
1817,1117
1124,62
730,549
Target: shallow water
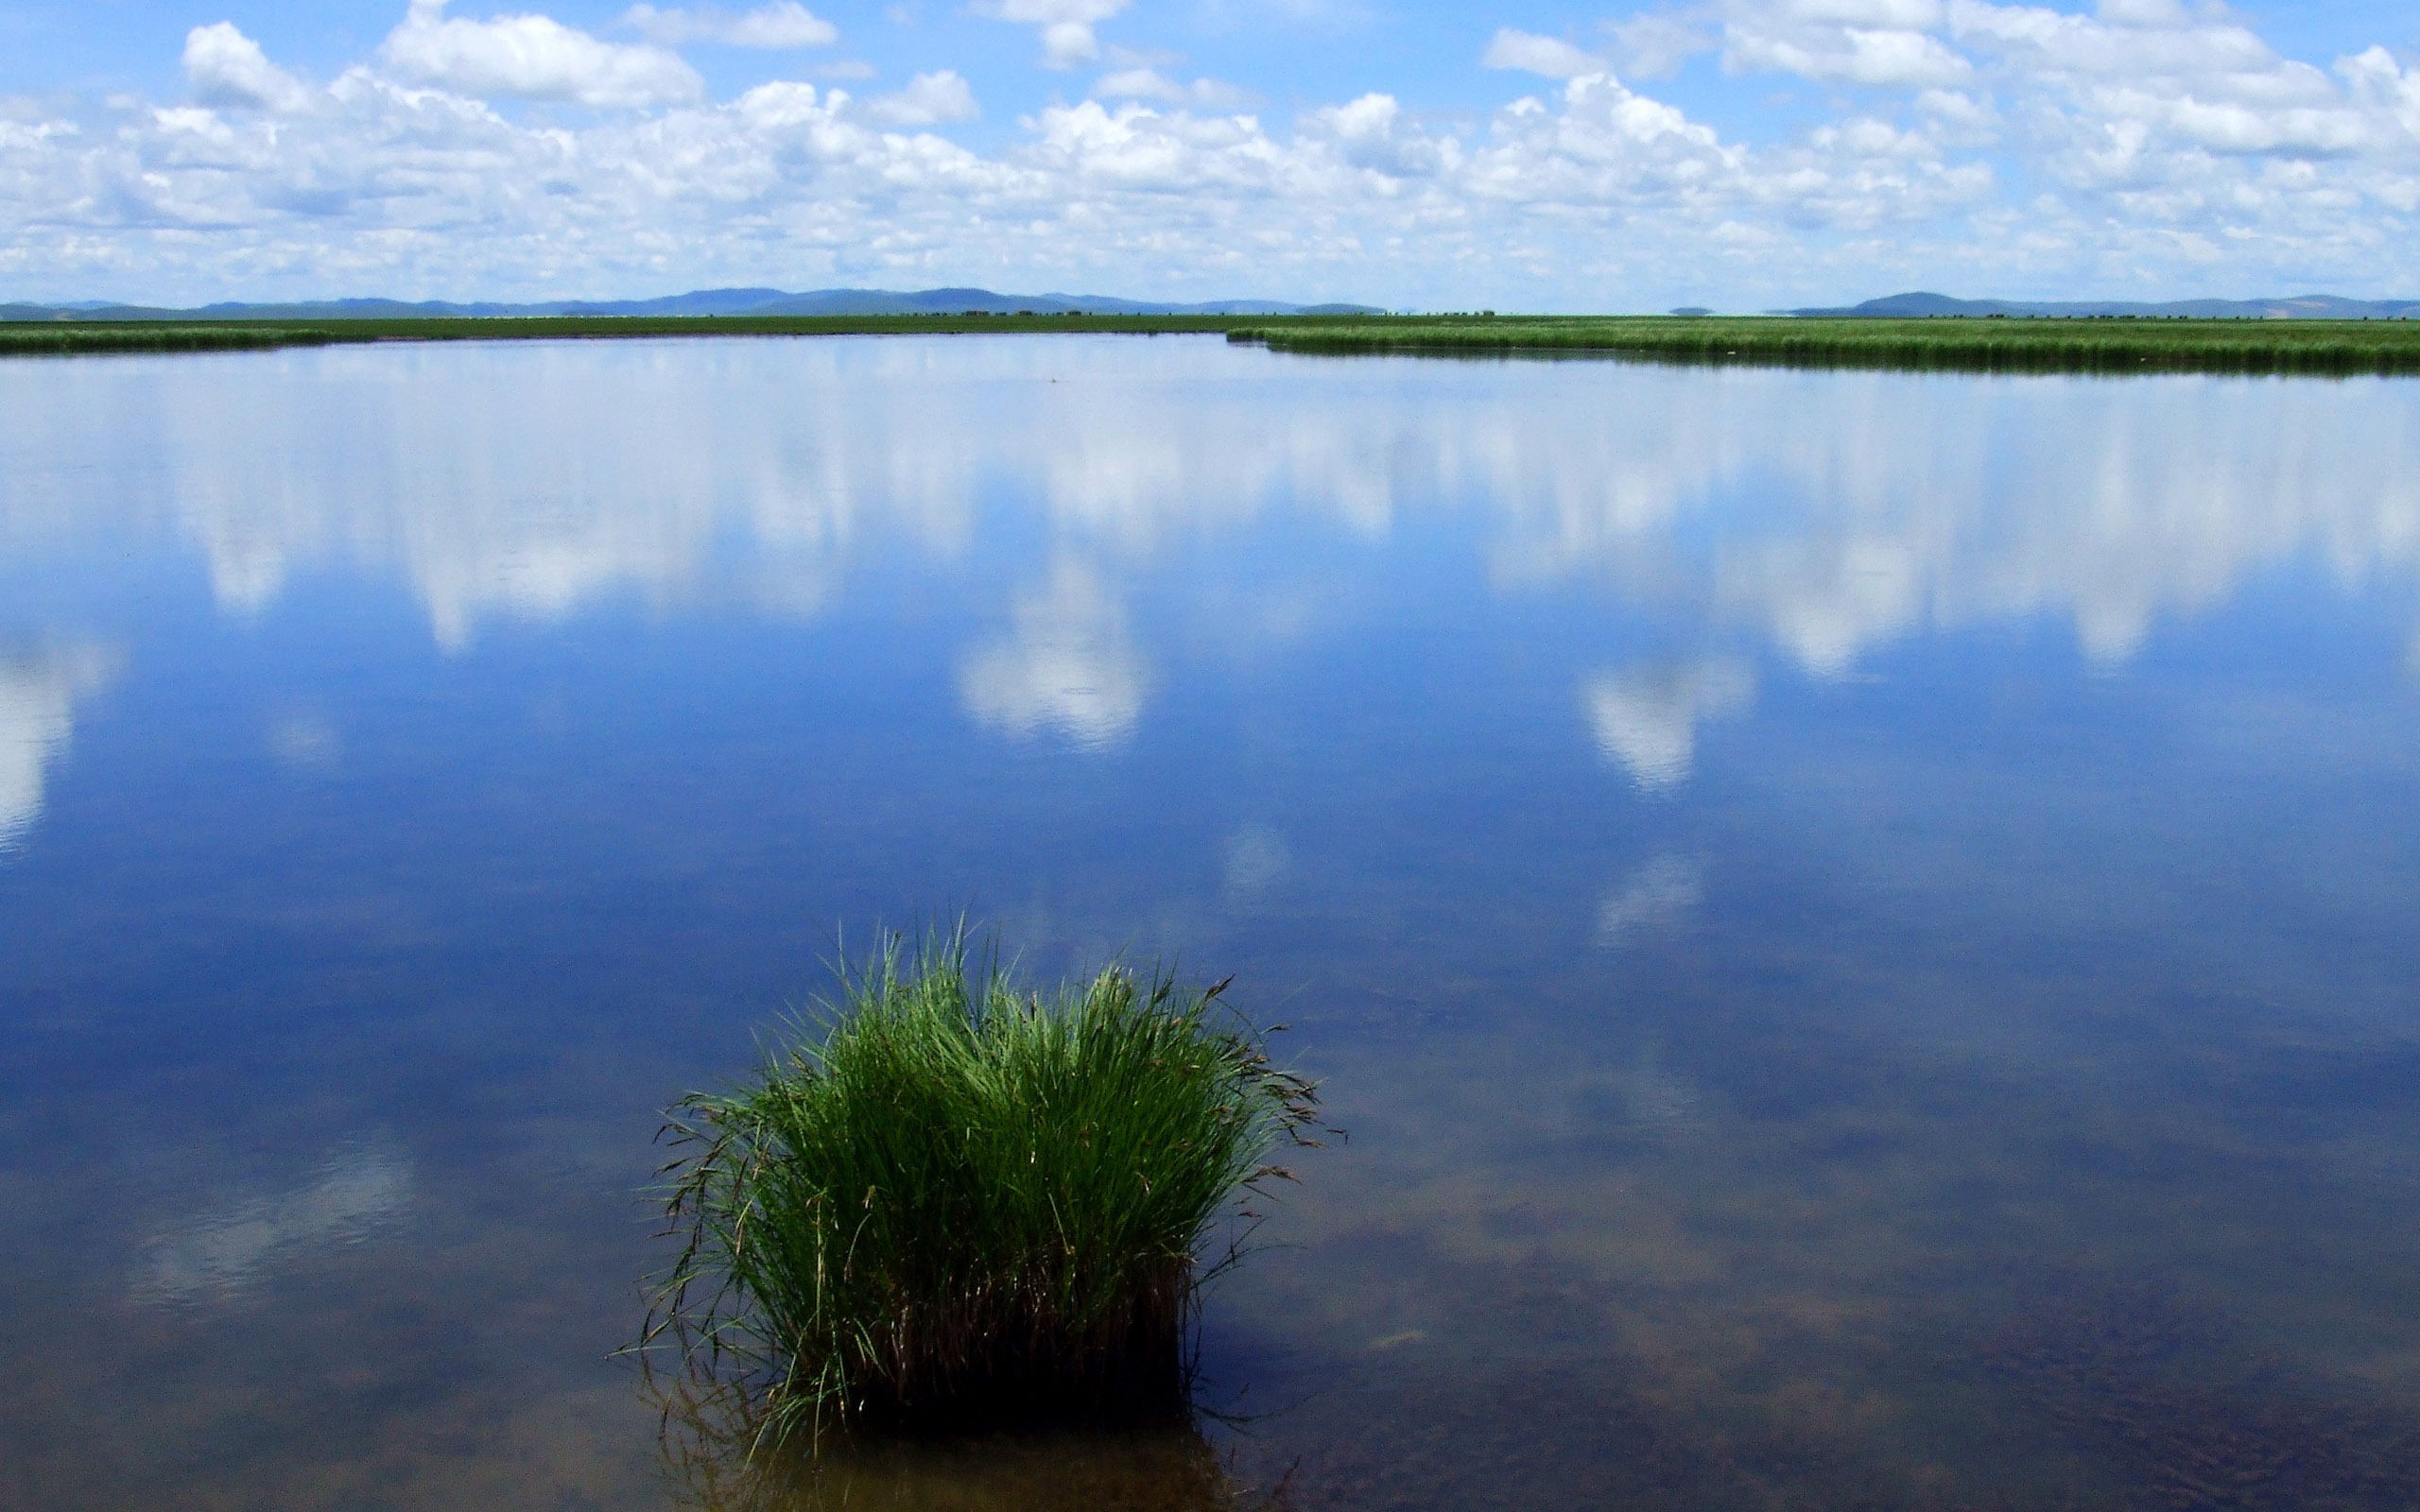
x,y
1860,925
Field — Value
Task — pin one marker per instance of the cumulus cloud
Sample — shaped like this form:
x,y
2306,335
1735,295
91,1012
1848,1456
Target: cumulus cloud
x,y
1848,54
1066,26
929,99
227,69
1551,57
1654,43
1150,84
1371,133
781,26
1608,147
532,56
2010,147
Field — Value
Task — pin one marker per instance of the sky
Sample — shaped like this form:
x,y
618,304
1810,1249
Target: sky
x,y
1549,156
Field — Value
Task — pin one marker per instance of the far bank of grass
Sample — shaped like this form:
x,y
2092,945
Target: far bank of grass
x,y
2339,347
70,337
2326,347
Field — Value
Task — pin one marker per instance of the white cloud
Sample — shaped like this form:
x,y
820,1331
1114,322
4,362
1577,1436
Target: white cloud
x,y
1066,26
1895,15
1991,148
929,99
1551,57
1654,43
781,26
1850,55
1150,84
1607,148
1371,133
532,56
227,69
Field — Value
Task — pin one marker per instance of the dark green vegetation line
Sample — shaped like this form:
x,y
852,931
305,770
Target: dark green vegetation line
x,y
1990,345
57,338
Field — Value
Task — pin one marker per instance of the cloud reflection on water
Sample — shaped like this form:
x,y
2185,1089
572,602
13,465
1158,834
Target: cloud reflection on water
x,y
1067,665
218,1253
1827,514
38,693
1646,718
1657,894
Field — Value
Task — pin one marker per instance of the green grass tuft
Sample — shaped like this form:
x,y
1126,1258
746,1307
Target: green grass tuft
x,y
946,1199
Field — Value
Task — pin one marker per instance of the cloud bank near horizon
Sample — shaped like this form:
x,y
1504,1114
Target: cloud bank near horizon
x,y
2144,147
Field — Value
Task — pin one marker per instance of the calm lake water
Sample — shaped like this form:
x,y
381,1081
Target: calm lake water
x,y
1862,925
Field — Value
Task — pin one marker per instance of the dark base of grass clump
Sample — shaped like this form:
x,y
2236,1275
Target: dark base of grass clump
x,y
946,1202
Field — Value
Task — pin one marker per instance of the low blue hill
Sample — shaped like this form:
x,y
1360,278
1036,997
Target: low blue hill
x,y
844,302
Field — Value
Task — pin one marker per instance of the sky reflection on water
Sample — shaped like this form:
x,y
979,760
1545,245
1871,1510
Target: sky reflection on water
x,y
1860,923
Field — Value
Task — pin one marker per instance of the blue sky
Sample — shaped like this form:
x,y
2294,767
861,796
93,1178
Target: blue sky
x,y
1737,153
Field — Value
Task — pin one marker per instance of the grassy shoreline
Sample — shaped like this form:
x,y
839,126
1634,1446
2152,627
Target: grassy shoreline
x,y
2323,348
2339,347
75,338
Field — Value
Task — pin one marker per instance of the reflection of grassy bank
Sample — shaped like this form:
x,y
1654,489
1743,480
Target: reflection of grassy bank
x,y
959,1200
2342,347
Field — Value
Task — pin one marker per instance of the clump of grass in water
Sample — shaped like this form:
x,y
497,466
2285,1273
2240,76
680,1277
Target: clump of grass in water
x,y
948,1200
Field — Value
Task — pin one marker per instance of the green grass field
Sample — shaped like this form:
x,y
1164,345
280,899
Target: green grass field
x,y
2088,346
68,338
2342,348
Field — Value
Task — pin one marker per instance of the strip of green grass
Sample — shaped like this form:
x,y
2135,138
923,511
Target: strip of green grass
x,y
951,1200
2091,346
2341,348
47,339
67,337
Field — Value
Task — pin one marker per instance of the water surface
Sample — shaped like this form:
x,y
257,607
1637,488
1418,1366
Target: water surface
x,y
1860,925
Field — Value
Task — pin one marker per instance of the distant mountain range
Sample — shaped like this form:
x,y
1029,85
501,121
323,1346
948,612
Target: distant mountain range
x,y
2301,307
702,301
852,303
